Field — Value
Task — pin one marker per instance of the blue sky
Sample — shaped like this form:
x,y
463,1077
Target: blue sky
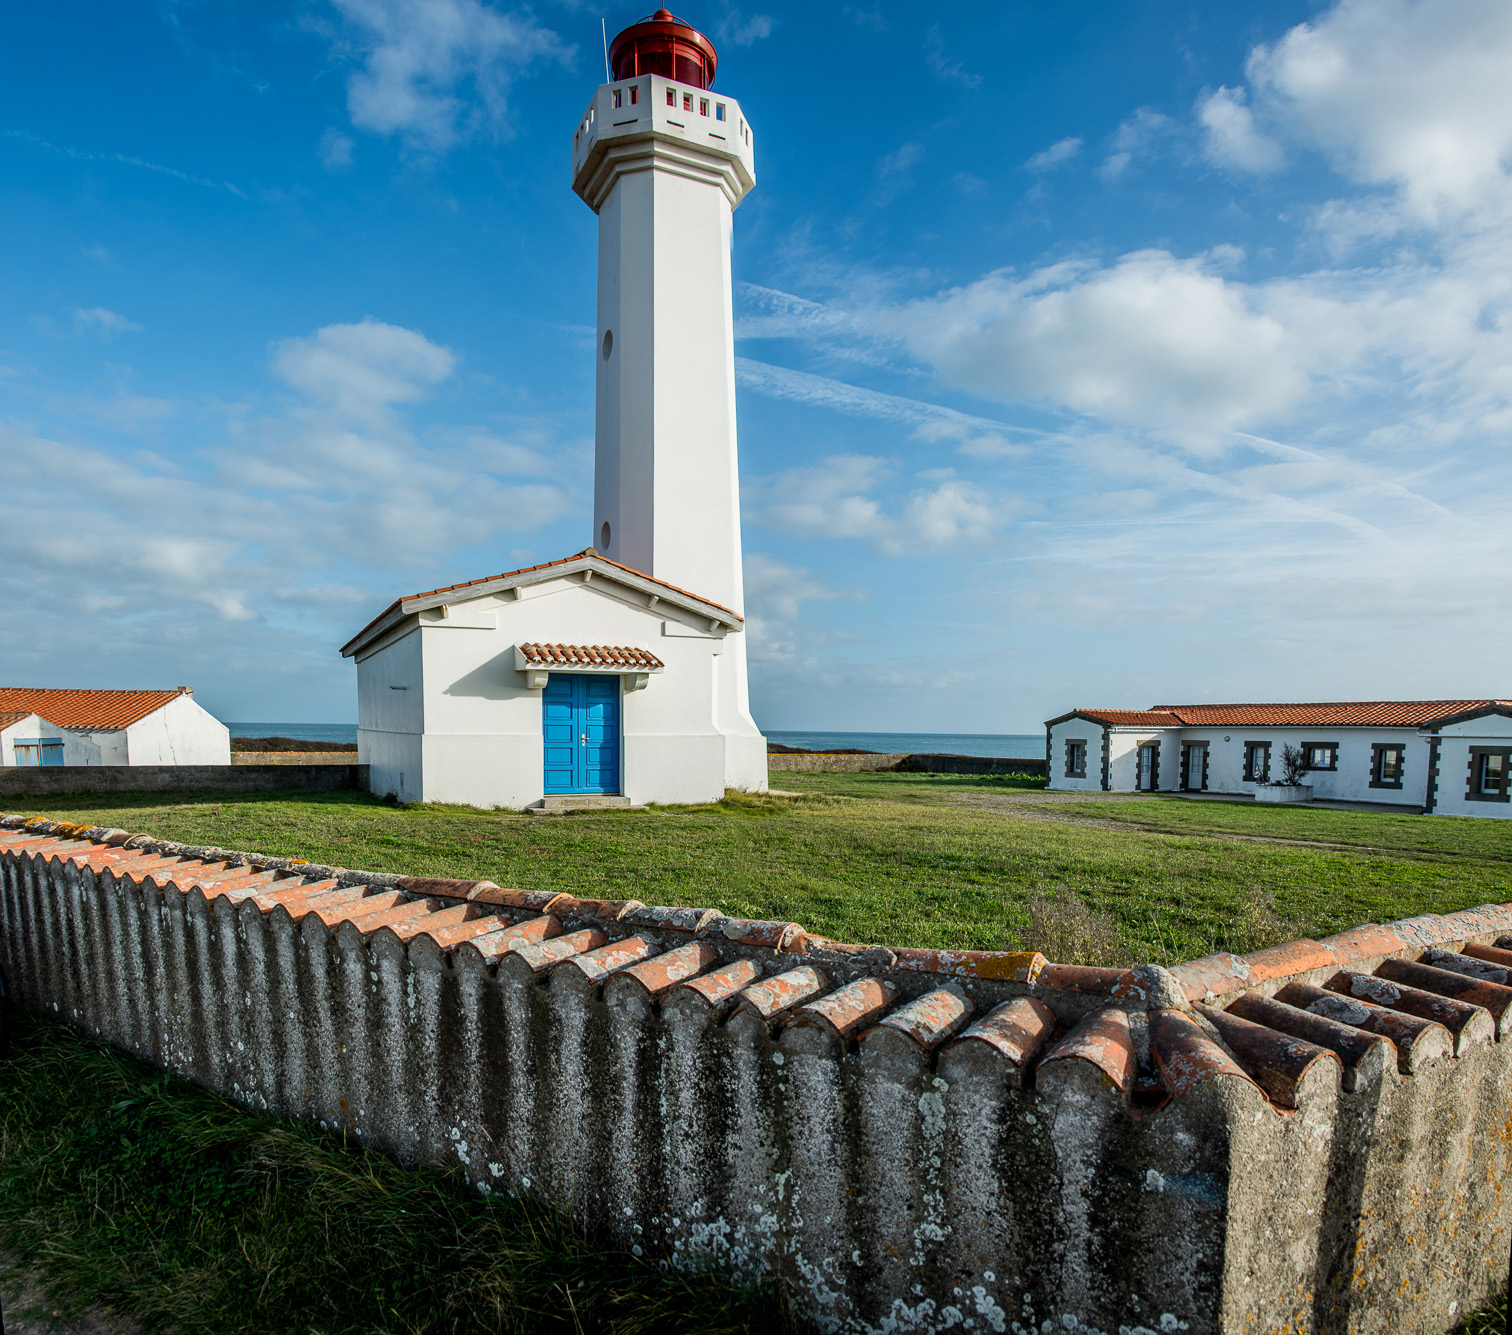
x,y
1089,354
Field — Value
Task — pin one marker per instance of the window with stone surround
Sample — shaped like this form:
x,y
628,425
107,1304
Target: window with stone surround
x,y
1387,760
1257,762
1321,755
1076,759
1489,767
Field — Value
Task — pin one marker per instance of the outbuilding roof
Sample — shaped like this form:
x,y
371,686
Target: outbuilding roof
x,y
7,717
589,560
1331,714
88,710
590,655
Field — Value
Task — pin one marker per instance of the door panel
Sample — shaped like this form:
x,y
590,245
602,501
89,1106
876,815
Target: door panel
x,y
580,727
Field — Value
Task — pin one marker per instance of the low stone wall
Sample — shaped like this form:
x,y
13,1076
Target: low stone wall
x,y
293,757
238,777
826,762
1311,1138
822,761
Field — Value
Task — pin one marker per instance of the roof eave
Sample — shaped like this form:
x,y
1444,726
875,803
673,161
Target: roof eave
x,y
611,570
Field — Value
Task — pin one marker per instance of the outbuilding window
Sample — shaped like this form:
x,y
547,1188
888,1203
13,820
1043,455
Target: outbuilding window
x,y
1321,755
1387,760
1489,767
1076,759
1257,762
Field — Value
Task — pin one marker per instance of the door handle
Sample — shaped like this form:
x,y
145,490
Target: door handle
x,y
583,741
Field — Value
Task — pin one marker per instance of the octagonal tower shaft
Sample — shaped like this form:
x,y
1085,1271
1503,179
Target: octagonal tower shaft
x,y
664,164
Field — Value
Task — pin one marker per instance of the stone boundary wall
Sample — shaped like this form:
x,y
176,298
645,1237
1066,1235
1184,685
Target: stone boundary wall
x,y
825,761
293,758
237,777
1310,1138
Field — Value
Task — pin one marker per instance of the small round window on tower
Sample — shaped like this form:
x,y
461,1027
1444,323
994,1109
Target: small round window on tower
x,y
608,343
604,536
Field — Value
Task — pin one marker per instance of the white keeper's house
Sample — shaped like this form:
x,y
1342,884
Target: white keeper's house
x,y
617,674
56,726
1446,757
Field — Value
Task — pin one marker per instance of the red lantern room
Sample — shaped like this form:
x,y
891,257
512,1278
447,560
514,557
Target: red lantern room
x,y
667,46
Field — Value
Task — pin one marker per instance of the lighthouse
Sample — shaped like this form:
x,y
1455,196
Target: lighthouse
x,y
616,675
664,160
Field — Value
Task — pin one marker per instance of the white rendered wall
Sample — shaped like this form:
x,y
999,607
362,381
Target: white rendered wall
x,y
1078,730
180,733
77,750
1349,782
391,717
663,182
481,724
1455,742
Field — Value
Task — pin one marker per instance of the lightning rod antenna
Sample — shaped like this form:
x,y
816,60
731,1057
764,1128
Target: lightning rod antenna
x,y
604,24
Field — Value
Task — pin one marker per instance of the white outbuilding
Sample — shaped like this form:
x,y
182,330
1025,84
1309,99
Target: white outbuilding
x,y
55,726
1445,757
486,693
617,675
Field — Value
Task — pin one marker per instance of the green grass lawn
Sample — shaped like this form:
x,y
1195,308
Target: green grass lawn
x,y
131,1189
927,860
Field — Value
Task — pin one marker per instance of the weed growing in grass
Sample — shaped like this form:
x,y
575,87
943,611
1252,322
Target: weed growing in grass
x,y
1068,931
128,1189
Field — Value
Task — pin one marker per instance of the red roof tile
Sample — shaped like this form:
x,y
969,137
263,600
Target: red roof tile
x,y
14,716
1337,714
592,552
590,655
88,710
1133,717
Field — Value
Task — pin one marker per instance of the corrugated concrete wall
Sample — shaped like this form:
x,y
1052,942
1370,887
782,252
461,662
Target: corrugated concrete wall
x,y
1312,1138
262,777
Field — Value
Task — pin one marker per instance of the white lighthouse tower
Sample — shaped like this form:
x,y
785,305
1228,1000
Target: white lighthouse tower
x,y
615,675
664,161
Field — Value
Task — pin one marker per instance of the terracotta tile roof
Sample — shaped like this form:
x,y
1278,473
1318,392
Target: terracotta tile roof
x,y
103,710
591,552
1133,717
7,717
1338,714
590,655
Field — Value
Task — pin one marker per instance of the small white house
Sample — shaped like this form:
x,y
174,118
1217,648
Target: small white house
x,y
478,694
111,728
1447,757
28,739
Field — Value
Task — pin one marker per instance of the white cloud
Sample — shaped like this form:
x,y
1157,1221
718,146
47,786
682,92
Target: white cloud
x,y
421,58
830,499
900,159
775,593
1412,94
362,370
1230,138
336,150
1150,340
107,324
942,65
739,30
1134,137
1061,151
930,422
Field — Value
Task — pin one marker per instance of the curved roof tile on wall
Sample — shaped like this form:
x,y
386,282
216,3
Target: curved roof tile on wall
x,y
104,710
591,655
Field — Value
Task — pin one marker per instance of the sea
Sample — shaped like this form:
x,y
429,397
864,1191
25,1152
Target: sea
x,y
1011,746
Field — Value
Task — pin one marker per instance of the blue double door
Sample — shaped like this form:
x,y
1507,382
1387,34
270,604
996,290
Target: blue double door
x,y
580,721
